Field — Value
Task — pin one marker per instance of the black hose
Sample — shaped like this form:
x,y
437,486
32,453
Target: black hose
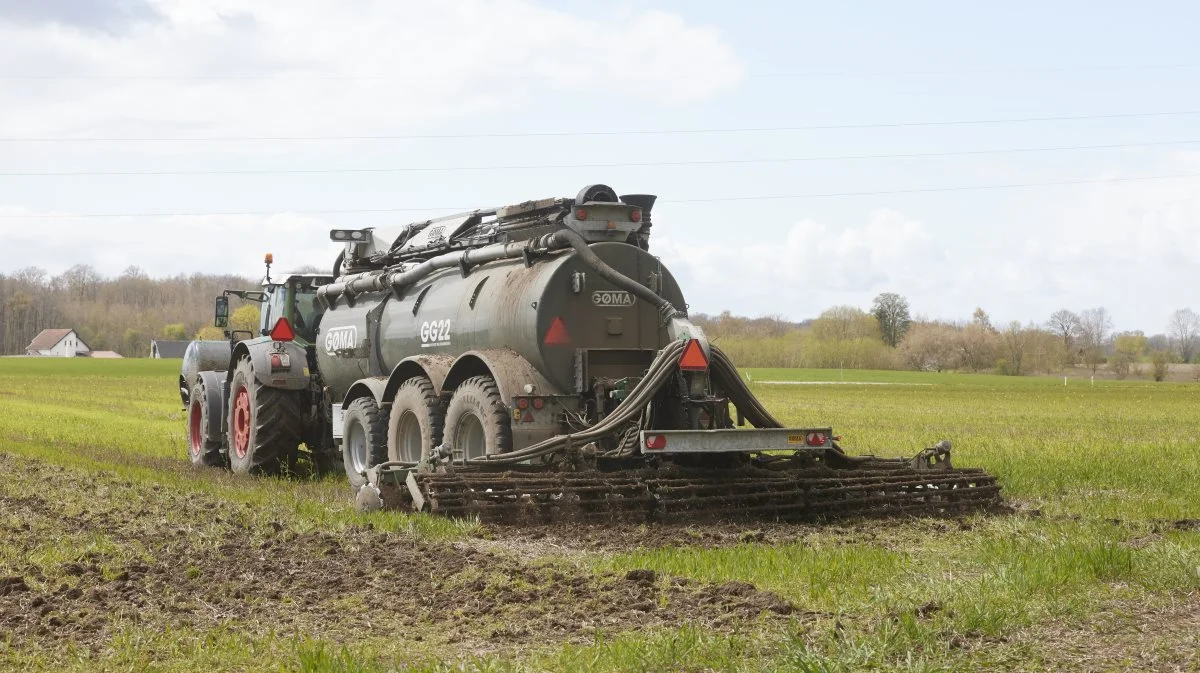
x,y
658,375
581,247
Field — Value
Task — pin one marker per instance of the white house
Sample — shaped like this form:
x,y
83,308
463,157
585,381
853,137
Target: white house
x,y
61,343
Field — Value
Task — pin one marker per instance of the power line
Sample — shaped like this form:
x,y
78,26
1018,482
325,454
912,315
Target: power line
x,y
303,77
632,132
637,164
774,197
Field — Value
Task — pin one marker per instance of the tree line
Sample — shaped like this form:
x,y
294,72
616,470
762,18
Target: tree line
x,y
121,314
125,312
887,337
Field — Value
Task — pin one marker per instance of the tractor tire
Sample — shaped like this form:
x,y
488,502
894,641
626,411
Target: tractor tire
x,y
477,420
364,439
266,425
204,449
415,422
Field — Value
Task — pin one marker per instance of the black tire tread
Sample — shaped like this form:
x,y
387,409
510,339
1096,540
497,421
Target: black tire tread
x,y
376,424
485,390
278,422
210,452
435,410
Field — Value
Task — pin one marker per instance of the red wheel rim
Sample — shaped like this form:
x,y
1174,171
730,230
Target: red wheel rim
x,y
241,422
194,419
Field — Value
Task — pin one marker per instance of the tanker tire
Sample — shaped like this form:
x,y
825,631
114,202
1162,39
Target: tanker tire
x,y
416,421
477,420
265,424
204,450
364,439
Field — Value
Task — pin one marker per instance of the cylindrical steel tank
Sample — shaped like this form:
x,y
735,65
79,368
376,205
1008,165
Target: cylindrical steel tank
x,y
204,356
545,311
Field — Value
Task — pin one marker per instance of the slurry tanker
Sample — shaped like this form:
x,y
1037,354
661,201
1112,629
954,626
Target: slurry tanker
x,y
533,363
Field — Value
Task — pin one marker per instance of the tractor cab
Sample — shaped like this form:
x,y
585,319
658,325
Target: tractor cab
x,y
294,298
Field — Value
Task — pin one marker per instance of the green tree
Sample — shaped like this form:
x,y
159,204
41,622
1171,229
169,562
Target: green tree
x,y
1128,348
174,331
245,318
1161,361
210,333
891,310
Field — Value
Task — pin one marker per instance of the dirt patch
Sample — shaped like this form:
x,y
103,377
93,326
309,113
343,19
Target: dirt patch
x,y
155,570
568,539
1135,635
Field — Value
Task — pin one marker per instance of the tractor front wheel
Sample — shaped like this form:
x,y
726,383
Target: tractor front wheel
x,y
203,448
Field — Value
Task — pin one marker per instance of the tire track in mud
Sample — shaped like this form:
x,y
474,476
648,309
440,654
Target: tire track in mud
x,y
171,559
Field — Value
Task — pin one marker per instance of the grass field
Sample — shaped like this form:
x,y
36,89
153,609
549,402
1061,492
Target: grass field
x,y
115,554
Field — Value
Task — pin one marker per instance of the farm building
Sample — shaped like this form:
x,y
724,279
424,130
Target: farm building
x,y
106,355
61,343
164,348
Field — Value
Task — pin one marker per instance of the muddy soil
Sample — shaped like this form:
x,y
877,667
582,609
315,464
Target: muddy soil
x,y
151,557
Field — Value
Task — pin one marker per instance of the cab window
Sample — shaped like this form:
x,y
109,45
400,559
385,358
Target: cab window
x,y
308,311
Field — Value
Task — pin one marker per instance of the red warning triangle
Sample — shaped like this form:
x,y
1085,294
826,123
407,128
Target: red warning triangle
x,y
557,334
693,358
282,331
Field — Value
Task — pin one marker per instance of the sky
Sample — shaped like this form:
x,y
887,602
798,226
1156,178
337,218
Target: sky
x,y
1021,157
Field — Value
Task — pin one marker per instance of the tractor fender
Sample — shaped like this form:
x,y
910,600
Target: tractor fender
x,y
372,387
511,372
217,399
432,367
293,375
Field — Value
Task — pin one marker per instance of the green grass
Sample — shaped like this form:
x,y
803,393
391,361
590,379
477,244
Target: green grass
x,y
1090,569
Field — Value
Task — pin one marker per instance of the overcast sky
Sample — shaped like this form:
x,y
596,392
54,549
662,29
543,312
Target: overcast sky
x,y
176,86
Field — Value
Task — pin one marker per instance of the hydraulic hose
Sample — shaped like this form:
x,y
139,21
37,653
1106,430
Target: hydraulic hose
x,y
656,377
569,238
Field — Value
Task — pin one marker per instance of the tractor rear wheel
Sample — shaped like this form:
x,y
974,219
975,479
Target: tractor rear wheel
x,y
203,448
364,439
266,424
477,420
415,422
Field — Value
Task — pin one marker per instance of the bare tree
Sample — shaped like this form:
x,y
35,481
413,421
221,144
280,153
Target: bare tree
x,y
1184,329
977,346
930,346
1016,340
980,318
1094,325
843,323
1065,324
891,310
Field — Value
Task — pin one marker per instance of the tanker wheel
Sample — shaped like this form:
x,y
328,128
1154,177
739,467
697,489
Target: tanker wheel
x,y
265,424
203,448
364,439
477,420
415,422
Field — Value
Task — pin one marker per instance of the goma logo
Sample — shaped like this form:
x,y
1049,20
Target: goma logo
x,y
340,339
613,298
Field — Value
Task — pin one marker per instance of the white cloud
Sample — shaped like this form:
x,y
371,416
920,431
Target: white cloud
x,y
814,265
1133,247
310,65
166,246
